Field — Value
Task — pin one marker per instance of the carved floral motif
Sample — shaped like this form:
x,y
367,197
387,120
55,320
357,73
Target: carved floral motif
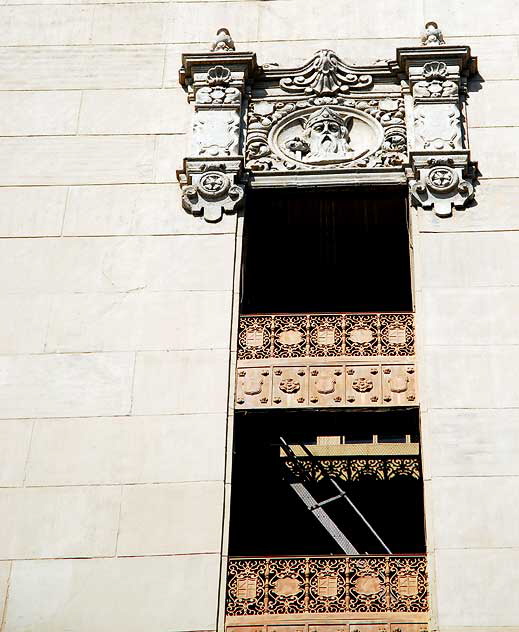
x,y
435,82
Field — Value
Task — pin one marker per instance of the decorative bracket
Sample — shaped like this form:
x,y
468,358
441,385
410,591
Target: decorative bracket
x,y
441,187
211,191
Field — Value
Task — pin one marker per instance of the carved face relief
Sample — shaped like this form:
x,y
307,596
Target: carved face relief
x,y
326,135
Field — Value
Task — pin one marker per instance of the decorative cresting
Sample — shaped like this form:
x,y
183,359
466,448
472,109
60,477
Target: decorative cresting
x,y
335,588
211,179
442,173
326,360
328,123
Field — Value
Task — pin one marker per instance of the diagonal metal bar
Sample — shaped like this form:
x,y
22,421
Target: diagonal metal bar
x,y
319,513
342,494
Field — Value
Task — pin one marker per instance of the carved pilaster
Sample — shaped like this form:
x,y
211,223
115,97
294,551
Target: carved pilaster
x,y
211,179
441,175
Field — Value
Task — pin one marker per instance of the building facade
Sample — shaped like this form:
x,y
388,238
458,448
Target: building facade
x,y
254,370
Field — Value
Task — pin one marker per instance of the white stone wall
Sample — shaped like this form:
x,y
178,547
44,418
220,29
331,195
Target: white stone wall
x,y
116,314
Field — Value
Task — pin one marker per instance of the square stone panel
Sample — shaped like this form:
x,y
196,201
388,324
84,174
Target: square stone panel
x,y
327,386
290,387
363,386
253,387
398,385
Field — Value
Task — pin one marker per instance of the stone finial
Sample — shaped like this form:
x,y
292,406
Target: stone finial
x,y
432,36
223,41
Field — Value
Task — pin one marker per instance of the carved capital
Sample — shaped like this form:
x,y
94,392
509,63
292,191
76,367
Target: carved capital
x,y
441,188
210,190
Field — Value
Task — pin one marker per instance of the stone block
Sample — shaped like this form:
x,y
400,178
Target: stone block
x,y
32,211
24,320
173,593
66,68
469,377
59,522
5,571
45,25
489,104
131,23
134,111
471,442
183,518
353,51
117,264
241,18
180,382
15,439
472,316
77,159
169,154
474,18
39,113
115,450
137,209
494,209
498,57
284,20
467,259
474,512
492,163
140,321
66,385
473,587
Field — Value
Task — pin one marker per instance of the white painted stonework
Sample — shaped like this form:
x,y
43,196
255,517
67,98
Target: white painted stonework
x,y
116,340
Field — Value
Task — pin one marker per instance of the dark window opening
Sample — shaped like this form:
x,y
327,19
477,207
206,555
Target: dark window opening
x,y
269,518
326,251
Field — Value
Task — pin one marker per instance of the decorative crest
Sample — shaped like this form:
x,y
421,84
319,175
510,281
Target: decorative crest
x,y
432,36
223,42
325,74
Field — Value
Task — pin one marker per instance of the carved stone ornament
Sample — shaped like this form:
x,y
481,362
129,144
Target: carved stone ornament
x,y
223,41
212,193
325,132
432,36
441,189
324,74
328,123
435,82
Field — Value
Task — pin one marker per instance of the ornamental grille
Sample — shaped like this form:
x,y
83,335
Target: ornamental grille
x,y
333,584
326,335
